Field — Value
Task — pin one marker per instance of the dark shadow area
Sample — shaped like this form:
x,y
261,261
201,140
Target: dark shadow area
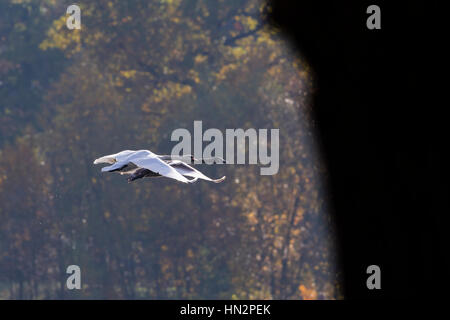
x,y
382,123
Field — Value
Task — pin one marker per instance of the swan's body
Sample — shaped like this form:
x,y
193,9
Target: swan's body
x,y
144,163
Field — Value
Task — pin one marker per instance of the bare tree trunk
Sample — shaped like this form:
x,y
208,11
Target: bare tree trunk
x,y
286,246
20,289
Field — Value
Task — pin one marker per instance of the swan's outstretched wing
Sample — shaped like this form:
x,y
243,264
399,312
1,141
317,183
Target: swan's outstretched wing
x,y
187,170
158,166
117,166
143,159
124,156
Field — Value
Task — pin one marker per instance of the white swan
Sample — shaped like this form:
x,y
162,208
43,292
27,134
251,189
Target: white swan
x,y
144,163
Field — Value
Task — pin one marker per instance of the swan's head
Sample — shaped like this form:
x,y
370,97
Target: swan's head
x,y
106,159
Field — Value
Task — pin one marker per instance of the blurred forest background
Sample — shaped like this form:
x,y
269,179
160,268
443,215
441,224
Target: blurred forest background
x,y
136,71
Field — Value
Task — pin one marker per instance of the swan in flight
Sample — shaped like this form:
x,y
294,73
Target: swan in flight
x,y
144,163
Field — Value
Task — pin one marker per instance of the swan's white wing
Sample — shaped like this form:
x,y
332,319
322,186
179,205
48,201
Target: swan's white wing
x,y
124,155
189,171
116,165
122,158
157,165
142,159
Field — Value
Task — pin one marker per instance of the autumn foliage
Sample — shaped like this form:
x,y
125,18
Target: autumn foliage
x,y
135,72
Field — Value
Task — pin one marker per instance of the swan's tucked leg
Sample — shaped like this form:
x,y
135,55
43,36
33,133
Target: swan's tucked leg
x,y
138,174
141,173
